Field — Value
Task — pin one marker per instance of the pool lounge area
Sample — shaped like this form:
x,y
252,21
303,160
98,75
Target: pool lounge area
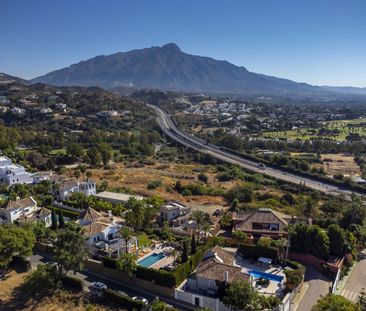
x,y
151,259
267,276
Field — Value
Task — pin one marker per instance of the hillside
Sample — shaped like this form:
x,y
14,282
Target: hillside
x,y
169,68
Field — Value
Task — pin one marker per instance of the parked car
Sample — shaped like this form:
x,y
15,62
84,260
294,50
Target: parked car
x,y
142,299
98,288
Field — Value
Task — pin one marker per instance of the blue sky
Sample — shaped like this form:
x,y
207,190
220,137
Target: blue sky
x,y
314,41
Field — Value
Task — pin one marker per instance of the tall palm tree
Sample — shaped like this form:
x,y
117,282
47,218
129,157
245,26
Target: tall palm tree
x,y
126,234
199,217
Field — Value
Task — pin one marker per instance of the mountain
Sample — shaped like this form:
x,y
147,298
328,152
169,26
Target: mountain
x,y
6,79
169,68
346,89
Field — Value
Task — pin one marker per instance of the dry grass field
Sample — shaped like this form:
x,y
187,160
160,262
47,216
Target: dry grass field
x,y
340,164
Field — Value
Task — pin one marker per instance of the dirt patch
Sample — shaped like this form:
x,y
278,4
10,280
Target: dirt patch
x,y
10,281
340,164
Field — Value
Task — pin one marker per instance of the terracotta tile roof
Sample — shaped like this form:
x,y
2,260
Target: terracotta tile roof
x,y
43,212
244,221
94,228
213,270
20,203
91,214
220,255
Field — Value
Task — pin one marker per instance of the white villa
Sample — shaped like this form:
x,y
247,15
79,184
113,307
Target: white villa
x,y
12,173
24,211
66,188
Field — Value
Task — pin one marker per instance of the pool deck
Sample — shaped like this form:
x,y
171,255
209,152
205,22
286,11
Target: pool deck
x,y
167,260
274,288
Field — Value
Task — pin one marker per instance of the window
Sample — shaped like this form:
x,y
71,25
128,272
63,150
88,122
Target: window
x,y
197,301
211,284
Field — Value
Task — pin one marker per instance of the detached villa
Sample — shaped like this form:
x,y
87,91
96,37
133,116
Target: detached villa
x,y
203,287
174,213
263,222
12,173
24,211
69,187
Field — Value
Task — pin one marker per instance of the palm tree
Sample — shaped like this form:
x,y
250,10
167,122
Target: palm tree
x,y
199,217
126,234
206,227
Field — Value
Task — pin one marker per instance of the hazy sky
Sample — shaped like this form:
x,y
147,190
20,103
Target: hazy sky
x,y
314,41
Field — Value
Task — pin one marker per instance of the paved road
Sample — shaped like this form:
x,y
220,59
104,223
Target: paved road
x,y
89,277
319,286
169,128
357,280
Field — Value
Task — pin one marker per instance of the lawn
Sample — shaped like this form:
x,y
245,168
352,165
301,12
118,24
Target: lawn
x,y
345,127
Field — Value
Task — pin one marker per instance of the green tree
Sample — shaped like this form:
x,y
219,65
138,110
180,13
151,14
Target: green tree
x,y
105,151
41,282
241,296
75,150
193,245
82,169
334,303
199,217
136,213
126,234
127,263
61,220
185,251
239,236
53,220
337,240
69,249
15,240
94,156
361,300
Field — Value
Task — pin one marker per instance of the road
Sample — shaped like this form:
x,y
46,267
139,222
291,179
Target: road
x,y
357,280
318,287
168,127
89,277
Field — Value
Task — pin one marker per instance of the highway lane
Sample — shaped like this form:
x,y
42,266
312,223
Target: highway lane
x,y
169,128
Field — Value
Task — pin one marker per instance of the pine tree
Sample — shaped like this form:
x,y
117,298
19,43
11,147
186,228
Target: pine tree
x,y
54,220
185,252
193,244
61,221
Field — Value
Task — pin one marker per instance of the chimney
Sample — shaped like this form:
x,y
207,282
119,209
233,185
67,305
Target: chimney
x,y
110,214
226,277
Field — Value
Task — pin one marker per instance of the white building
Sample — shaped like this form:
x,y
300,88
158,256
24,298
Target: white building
x,y
108,113
17,111
45,110
72,186
24,211
12,173
173,210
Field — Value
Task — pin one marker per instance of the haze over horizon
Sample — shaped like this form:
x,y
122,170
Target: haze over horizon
x,y
322,46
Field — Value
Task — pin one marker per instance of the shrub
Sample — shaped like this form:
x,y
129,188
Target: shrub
x,y
154,184
123,300
256,251
73,282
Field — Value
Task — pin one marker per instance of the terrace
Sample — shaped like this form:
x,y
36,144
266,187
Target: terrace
x,y
158,256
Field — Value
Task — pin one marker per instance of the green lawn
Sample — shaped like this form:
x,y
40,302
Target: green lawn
x,y
308,133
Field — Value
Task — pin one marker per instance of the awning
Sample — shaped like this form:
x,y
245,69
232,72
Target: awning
x,y
265,260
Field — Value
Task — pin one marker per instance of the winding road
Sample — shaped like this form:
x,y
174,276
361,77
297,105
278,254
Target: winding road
x,y
169,128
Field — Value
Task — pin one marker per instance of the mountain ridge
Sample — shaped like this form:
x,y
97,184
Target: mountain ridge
x,y
169,68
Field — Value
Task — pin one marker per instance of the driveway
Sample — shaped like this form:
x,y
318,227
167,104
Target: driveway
x,y
357,280
319,286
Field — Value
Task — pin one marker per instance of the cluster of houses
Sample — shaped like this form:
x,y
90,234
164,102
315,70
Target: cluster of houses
x,y
11,173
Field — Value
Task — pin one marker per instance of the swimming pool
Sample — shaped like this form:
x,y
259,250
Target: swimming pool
x,y
264,275
150,260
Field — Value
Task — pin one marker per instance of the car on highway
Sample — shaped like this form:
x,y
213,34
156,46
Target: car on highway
x,y
261,165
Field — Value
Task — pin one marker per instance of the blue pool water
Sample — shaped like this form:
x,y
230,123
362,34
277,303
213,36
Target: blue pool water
x,y
150,260
268,276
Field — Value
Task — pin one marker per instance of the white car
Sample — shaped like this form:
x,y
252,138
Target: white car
x,y
142,299
98,286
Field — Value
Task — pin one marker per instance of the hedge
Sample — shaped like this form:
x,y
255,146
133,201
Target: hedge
x,y
22,263
295,265
71,281
256,251
65,212
162,277
125,301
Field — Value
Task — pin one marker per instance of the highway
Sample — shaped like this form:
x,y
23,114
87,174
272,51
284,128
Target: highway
x,y
168,127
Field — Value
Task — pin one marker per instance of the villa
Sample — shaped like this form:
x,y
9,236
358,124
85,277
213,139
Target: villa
x,y
24,211
68,187
263,222
174,212
12,173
